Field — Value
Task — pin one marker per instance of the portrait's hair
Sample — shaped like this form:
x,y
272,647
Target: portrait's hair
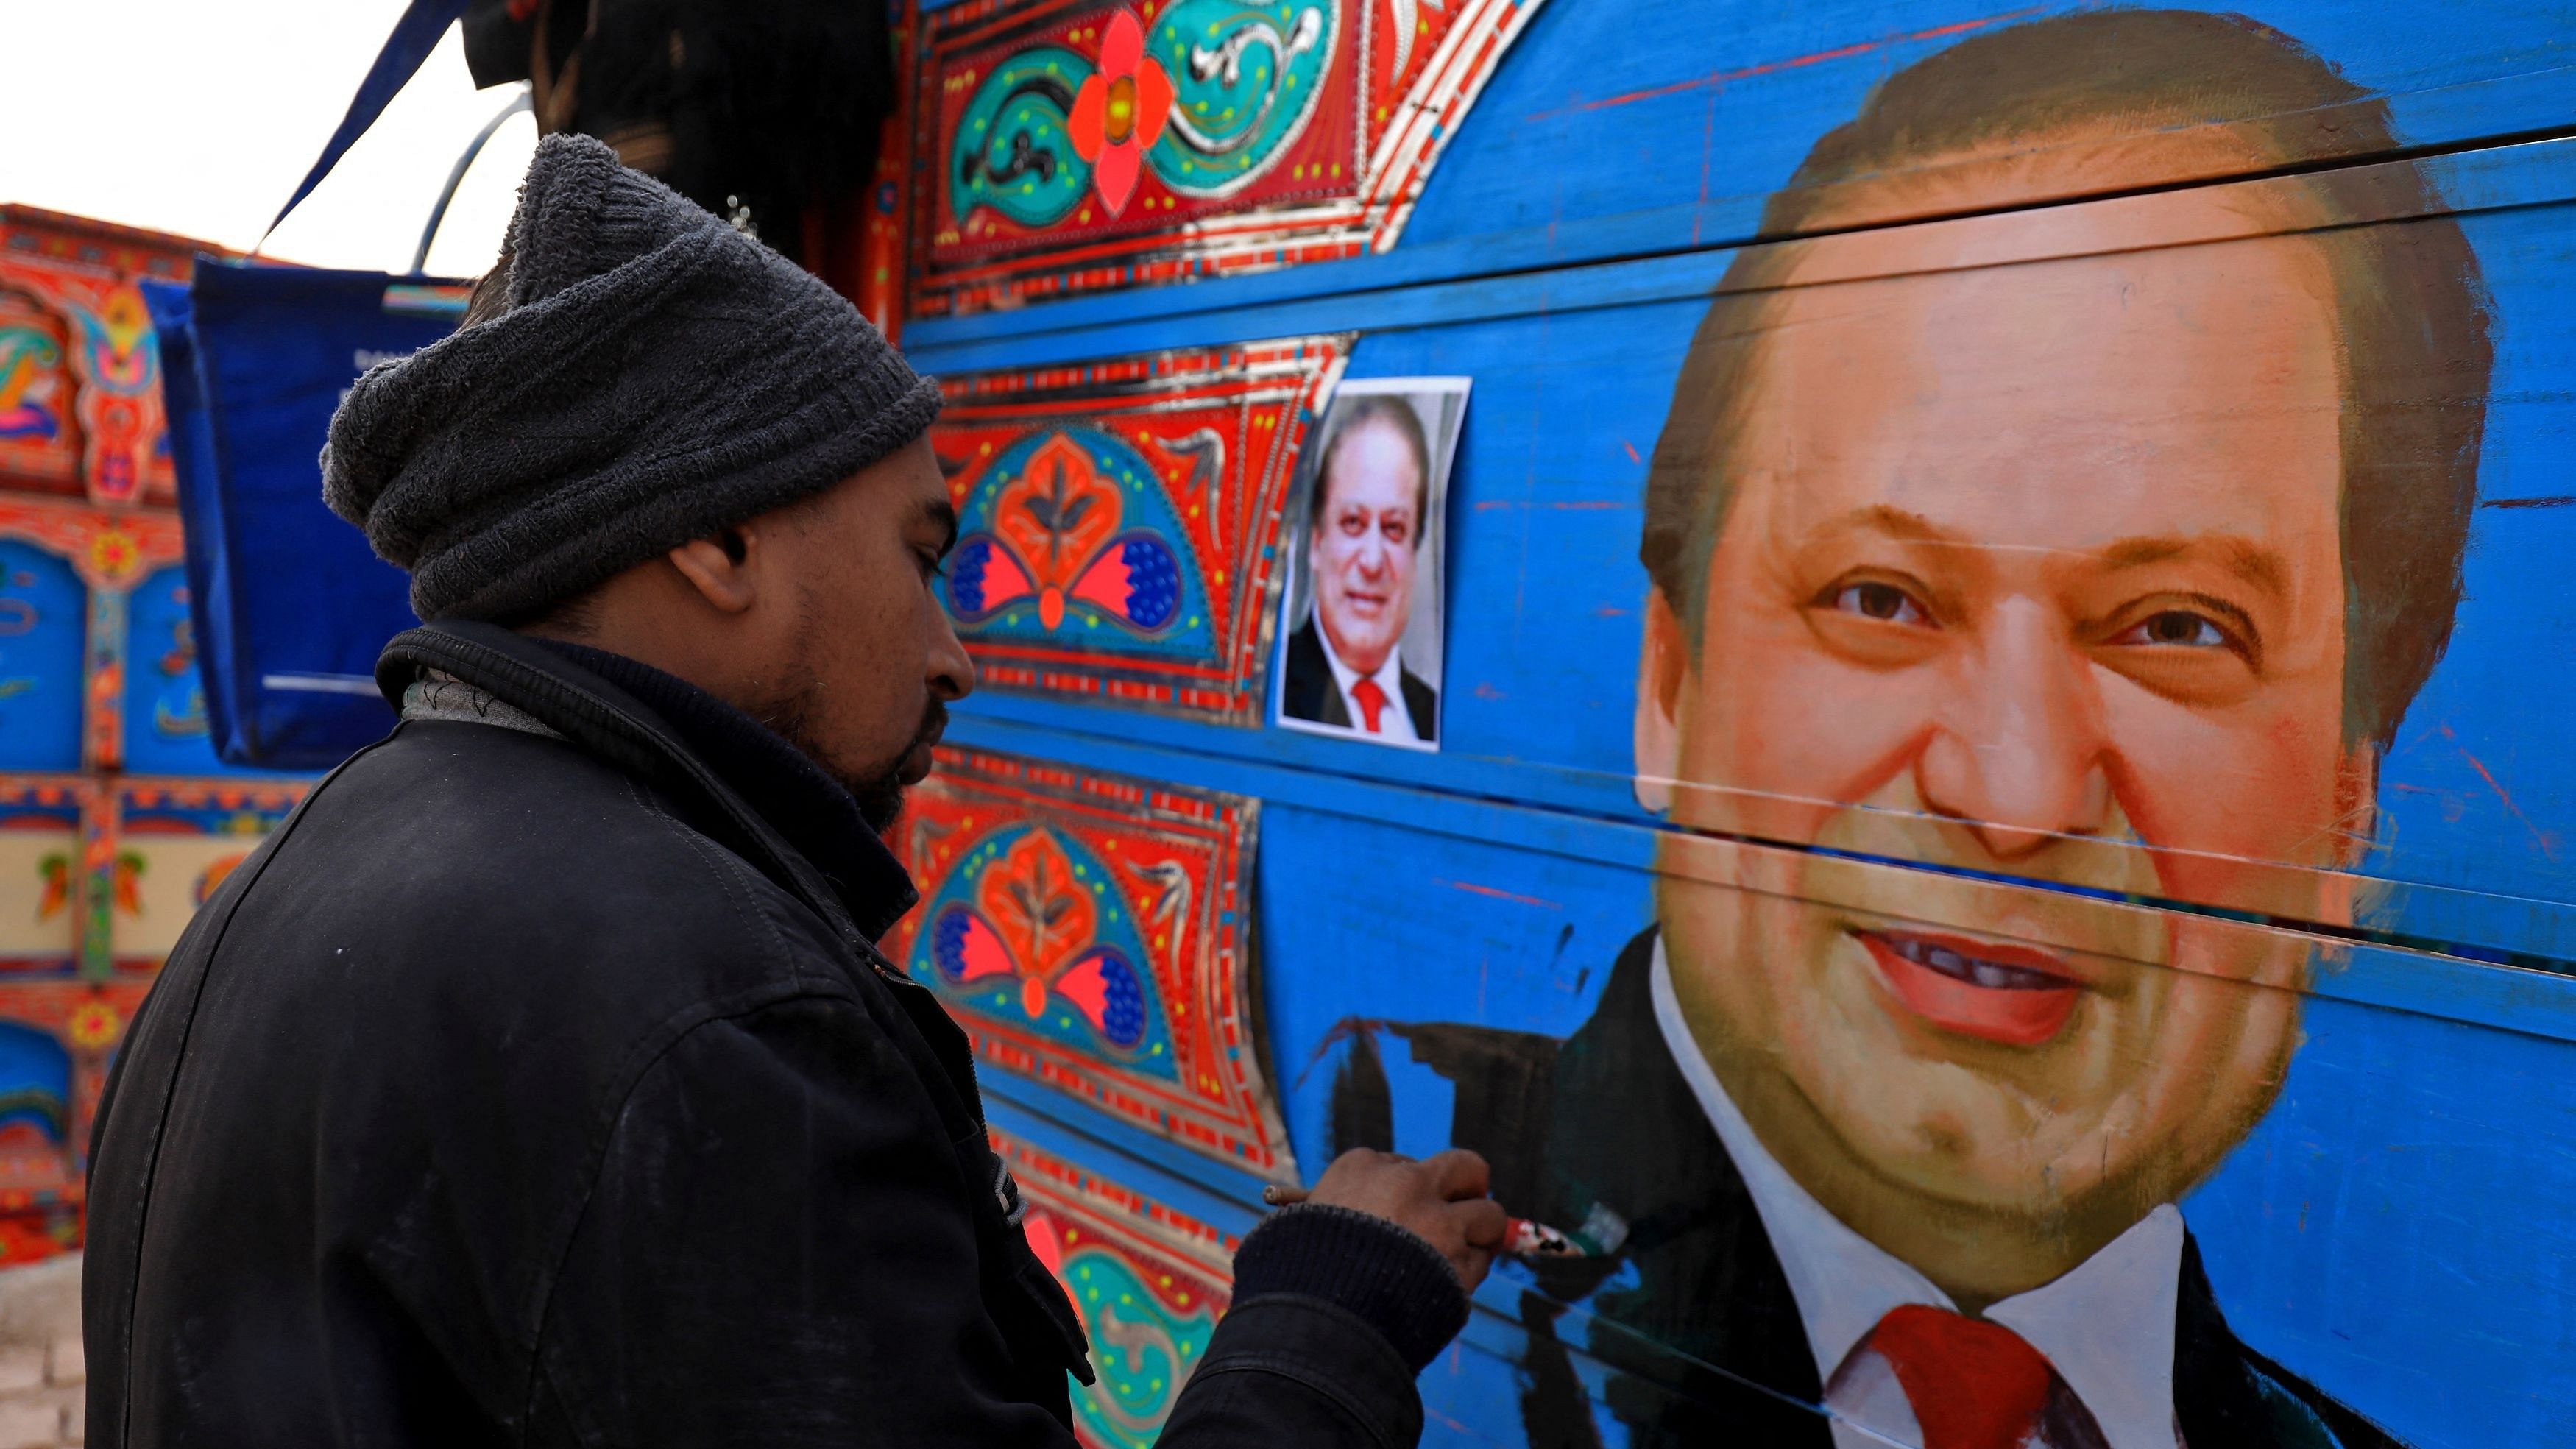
x,y
1370,410
2413,353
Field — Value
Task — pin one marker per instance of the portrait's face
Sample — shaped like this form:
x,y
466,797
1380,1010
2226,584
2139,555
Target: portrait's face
x,y
2031,569
1365,543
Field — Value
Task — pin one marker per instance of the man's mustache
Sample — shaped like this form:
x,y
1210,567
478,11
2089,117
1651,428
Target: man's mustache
x,y
934,724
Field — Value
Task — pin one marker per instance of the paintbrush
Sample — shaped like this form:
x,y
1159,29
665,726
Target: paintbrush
x,y
1522,1238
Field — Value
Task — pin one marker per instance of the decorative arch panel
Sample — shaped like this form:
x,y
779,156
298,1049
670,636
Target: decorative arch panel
x,y
1091,934
1073,147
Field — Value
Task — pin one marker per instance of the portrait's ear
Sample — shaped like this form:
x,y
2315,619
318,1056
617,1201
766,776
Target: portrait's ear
x,y
2356,804
1663,661
719,568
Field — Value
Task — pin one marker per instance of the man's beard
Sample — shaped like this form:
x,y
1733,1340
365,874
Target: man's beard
x,y
878,790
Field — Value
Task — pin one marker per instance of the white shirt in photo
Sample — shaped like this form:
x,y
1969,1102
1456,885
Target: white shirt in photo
x,y
1395,721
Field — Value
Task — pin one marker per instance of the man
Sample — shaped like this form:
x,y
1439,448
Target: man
x,y
2099,547
1363,540
539,1082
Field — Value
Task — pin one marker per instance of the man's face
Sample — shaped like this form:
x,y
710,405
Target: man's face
x,y
1363,549
876,657
2028,566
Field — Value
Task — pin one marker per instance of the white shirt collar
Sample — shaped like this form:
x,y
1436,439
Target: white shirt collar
x,y
1395,721
2107,1325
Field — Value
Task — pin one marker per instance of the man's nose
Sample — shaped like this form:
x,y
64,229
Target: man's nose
x,y
952,674
2017,757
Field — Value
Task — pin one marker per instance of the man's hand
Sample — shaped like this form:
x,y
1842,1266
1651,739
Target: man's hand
x,y
1440,1199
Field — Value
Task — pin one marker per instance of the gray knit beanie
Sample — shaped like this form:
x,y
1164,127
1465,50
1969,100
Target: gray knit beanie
x,y
657,376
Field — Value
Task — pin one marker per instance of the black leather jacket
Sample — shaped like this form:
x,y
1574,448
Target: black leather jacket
x,y
540,1091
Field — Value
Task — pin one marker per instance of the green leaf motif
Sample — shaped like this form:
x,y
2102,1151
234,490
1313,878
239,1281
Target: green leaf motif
x,y
1013,153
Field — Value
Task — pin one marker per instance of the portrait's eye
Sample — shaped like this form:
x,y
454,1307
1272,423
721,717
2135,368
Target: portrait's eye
x,y
1353,523
1877,599
1397,530
2177,628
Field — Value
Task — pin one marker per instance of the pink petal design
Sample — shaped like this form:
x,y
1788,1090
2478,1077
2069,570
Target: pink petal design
x,y
1153,100
1115,173
1105,582
1085,126
1043,1242
1121,46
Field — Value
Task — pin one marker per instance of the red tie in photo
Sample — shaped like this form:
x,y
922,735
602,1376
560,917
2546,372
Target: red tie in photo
x,y
1372,703
1976,1385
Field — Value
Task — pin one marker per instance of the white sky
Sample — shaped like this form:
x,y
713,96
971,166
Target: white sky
x,y
199,116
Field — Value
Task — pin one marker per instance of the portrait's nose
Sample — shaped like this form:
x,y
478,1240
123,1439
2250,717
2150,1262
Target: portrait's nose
x,y
1372,554
2016,757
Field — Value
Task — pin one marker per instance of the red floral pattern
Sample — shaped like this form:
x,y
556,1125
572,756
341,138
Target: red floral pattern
x,y
1120,111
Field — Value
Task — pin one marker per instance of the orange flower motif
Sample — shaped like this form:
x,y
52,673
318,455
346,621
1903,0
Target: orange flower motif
x,y
1120,111
114,554
94,1024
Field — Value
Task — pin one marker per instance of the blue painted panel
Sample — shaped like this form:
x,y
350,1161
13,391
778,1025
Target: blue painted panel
x,y
35,1091
43,623
165,695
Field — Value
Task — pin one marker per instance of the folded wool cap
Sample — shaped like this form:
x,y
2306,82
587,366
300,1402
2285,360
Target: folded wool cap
x,y
656,377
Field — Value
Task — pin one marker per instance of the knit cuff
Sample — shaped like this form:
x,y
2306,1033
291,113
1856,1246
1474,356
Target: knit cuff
x,y
1386,1274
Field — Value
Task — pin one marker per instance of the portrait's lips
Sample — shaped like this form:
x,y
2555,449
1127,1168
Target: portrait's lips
x,y
1986,989
1368,605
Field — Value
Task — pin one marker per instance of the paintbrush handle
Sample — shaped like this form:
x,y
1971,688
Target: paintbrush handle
x,y
1521,1237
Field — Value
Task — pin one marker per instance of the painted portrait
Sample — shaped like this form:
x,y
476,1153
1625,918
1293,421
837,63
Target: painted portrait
x,y
2102,552
1360,634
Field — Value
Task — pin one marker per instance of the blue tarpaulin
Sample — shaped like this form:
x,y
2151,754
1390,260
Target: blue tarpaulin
x,y
288,604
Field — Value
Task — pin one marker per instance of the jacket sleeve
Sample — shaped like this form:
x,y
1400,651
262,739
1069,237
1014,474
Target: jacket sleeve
x,y
1335,1313
778,1251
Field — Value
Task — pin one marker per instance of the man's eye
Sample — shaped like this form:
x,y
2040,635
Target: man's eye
x,y
1882,601
2177,628
1397,532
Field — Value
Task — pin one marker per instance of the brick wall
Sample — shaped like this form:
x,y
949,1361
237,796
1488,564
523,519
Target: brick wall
x,y
42,1380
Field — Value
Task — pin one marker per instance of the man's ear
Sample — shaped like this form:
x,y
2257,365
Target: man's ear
x,y
1663,662
719,568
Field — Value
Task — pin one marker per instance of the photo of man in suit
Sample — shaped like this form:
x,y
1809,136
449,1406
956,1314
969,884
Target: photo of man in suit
x,y
2097,547
1368,521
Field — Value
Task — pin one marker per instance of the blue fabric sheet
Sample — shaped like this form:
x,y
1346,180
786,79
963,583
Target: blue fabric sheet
x,y
288,603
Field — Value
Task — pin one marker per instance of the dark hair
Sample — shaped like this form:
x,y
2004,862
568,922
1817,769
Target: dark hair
x,y
491,295
2415,359
1377,410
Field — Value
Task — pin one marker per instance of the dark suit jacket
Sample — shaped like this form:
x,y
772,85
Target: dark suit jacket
x,y
1313,694
1704,1340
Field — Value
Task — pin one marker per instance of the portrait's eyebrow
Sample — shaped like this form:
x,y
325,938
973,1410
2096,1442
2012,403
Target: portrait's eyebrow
x,y
1896,523
2249,561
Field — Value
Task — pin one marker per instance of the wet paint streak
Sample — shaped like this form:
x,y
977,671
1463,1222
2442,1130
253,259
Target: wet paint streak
x,y
1801,62
1501,895
2554,500
2538,836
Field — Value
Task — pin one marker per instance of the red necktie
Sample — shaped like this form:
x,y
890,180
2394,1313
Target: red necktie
x,y
1372,703
1977,1385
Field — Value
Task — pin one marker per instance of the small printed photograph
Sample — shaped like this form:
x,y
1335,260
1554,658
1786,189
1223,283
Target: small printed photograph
x,y
1360,630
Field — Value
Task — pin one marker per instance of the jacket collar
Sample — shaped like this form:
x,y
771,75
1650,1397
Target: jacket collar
x,y
789,819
